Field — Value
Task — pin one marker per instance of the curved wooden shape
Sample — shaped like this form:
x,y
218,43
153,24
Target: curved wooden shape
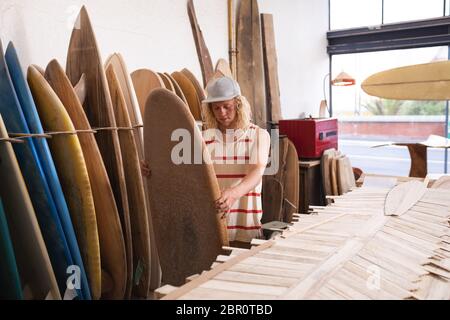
x,y
72,172
250,68
442,183
190,93
223,69
167,83
428,81
202,50
403,197
83,57
177,88
112,245
198,87
31,252
135,188
291,183
144,81
135,115
272,200
189,233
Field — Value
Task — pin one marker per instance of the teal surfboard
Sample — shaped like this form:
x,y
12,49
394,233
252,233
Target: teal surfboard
x,y
10,288
34,124
46,212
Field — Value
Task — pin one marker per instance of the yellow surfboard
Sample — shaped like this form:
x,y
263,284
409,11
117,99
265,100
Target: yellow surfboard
x,y
112,243
71,167
428,81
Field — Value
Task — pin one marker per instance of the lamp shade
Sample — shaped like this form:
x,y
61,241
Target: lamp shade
x,y
343,79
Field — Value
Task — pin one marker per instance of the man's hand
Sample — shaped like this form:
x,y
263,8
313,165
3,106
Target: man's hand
x,y
226,201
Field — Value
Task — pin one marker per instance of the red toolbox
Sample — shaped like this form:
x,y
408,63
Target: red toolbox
x,y
311,136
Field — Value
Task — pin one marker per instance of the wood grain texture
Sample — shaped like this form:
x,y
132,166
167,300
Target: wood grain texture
x,y
291,183
202,50
198,87
250,65
144,81
190,93
177,89
135,188
73,175
189,233
272,199
404,196
135,116
112,245
84,58
167,83
271,69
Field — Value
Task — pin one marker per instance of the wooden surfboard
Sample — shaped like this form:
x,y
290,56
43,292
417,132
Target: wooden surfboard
x,y
250,66
198,87
31,253
189,233
271,69
72,172
144,81
177,88
135,117
428,81
291,183
272,199
202,50
167,83
135,188
34,123
112,245
84,58
35,179
223,69
327,157
131,102
190,93
10,287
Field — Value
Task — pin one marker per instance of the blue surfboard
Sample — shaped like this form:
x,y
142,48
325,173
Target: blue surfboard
x,y
34,124
35,180
10,287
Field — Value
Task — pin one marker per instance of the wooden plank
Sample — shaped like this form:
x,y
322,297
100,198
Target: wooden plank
x,y
234,276
244,287
271,69
218,268
213,294
202,50
250,67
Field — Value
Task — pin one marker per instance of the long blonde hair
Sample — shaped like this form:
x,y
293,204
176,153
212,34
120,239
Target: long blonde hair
x,y
243,114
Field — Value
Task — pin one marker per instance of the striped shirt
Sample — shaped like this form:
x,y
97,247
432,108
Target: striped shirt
x,y
232,162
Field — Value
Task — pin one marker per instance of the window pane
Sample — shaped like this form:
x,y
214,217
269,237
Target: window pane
x,y
447,9
407,10
354,13
365,121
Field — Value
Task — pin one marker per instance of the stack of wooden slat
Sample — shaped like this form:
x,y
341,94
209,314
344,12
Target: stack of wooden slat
x,y
337,173
348,250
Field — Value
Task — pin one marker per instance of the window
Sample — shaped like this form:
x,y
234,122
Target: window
x,y
366,121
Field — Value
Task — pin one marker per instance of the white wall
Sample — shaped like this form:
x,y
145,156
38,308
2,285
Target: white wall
x,y
156,34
